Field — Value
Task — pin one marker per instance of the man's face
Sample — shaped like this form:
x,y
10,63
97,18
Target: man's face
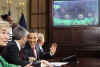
x,y
32,38
42,42
4,36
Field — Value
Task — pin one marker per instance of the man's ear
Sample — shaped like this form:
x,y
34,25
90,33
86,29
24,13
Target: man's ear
x,y
23,38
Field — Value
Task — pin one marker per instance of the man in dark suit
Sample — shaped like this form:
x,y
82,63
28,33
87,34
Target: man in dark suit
x,y
14,47
29,49
30,53
40,51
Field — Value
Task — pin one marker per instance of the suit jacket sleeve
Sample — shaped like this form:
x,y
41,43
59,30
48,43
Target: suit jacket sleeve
x,y
26,54
42,55
46,55
12,56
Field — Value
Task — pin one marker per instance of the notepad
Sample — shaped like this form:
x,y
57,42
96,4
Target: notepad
x,y
58,63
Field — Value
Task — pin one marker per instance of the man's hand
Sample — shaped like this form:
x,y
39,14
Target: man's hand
x,y
28,65
31,59
53,48
45,63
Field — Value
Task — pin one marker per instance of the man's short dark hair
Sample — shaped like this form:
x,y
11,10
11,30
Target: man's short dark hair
x,y
4,16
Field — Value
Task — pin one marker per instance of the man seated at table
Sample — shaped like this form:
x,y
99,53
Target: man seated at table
x,y
40,51
29,49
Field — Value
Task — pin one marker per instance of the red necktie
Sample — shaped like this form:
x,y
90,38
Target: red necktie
x,y
21,54
34,52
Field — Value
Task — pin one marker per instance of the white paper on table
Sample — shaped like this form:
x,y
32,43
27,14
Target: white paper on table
x,y
58,63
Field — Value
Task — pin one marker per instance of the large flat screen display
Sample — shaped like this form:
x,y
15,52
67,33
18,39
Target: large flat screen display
x,y
75,13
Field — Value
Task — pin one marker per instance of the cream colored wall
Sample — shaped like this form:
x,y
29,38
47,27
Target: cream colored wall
x,y
15,9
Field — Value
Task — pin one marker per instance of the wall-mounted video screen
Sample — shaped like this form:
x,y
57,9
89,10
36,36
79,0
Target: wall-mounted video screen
x,y
75,13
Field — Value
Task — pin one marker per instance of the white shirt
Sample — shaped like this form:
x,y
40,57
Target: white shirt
x,y
41,49
35,53
10,34
18,45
